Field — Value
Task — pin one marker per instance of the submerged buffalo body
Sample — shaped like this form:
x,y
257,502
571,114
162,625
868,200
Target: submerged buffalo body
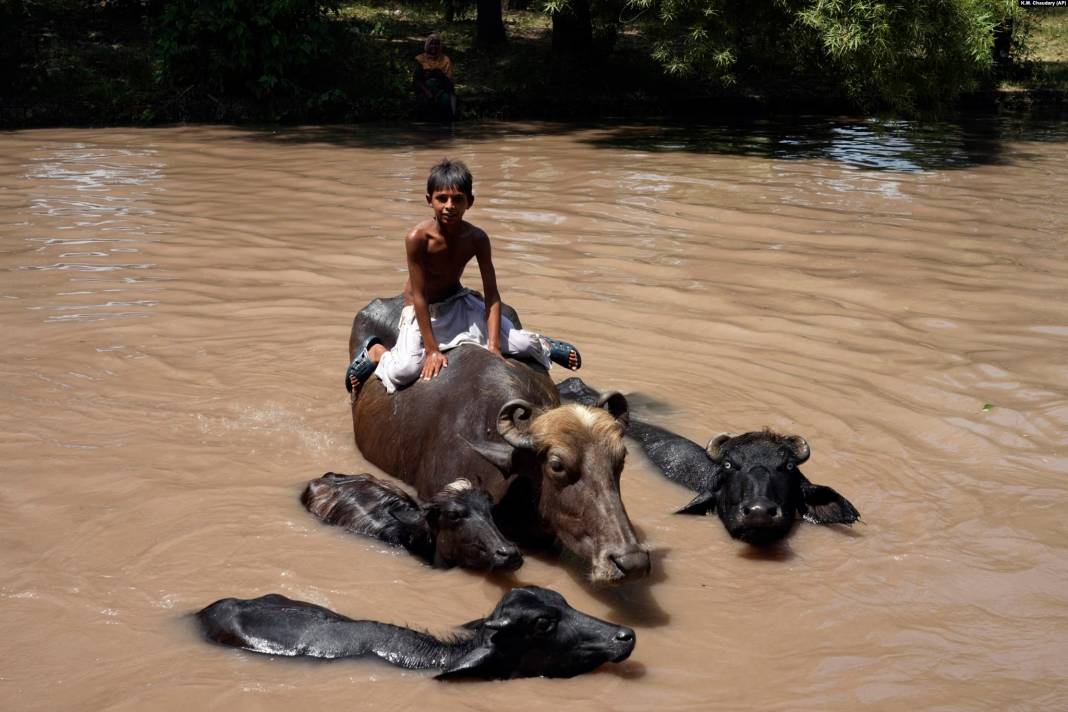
x,y
531,632
752,481
552,471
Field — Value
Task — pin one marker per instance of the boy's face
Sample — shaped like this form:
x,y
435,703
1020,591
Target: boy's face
x,y
449,205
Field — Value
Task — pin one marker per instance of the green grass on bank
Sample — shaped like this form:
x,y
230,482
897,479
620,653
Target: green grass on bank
x,y
1049,49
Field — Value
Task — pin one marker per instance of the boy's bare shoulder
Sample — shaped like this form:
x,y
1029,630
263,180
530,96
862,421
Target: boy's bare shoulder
x,y
475,233
421,233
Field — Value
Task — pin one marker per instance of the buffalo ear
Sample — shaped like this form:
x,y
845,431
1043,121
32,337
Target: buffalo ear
x,y
701,504
714,449
410,517
616,404
476,663
825,506
497,454
799,446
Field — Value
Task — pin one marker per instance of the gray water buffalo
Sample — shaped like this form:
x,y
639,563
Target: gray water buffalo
x,y
455,528
532,632
552,471
752,481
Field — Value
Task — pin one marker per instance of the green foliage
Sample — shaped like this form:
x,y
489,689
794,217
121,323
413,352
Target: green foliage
x,y
15,47
269,58
878,53
256,48
71,58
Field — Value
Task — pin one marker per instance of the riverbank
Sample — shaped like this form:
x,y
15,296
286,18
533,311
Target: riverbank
x,y
100,66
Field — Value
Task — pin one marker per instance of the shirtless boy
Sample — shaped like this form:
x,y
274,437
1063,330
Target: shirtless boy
x,y
440,314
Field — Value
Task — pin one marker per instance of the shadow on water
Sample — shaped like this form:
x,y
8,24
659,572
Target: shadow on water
x,y
780,552
873,144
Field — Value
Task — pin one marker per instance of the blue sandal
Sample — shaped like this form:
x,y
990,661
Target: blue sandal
x,y
560,353
362,366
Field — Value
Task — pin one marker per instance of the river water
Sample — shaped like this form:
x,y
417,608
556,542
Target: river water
x,y
176,306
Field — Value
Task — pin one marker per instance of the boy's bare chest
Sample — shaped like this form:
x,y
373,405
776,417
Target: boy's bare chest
x,y
443,257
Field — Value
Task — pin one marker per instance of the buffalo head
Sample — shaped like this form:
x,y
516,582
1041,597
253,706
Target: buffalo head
x,y
573,456
461,520
758,490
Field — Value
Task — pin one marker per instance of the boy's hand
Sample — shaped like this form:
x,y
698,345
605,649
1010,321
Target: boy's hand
x,y
435,361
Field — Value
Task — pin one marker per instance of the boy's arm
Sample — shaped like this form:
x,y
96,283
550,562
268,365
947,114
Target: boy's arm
x,y
489,288
415,246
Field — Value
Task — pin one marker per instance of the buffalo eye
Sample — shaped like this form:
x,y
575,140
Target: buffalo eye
x,y
557,465
727,465
789,465
544,625
455,515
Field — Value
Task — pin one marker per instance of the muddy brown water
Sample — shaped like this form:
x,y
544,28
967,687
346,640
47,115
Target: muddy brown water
x,y
176,304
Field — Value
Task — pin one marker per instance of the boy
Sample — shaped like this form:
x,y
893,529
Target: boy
x,y
440,314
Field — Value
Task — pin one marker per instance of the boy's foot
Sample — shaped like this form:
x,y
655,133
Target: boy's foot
x,y
362,366
563,353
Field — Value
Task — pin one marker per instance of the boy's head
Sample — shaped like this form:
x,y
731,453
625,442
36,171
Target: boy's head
x,y
450,174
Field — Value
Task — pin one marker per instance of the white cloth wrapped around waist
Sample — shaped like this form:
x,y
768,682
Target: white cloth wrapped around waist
x,y
459,319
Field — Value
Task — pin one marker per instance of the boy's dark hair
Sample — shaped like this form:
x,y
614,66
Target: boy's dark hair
x,y
450,174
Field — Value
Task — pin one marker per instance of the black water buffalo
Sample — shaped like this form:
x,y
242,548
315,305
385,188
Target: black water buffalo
x,y
751,481
455,528
552,471
532,632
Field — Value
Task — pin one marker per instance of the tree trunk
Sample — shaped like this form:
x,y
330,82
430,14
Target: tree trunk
x,y
573,30
489,23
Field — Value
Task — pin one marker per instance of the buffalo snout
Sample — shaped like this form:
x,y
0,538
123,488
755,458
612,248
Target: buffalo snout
x,y
760,511
617,566
624,640
507,558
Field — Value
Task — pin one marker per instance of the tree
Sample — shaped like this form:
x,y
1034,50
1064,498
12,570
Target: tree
x,y
572,27
489,23
903,55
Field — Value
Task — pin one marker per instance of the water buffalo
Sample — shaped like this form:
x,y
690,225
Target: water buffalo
x,y
455,528
532,632
552,471
751,481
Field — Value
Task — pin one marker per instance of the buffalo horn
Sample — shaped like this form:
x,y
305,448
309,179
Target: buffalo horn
x,y
715,444
511,414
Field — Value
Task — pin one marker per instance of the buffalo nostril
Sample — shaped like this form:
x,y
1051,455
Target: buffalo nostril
x,y
632,565
508,558
622,563
759,510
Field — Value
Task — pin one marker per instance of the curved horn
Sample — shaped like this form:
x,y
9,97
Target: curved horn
x,y
715,445
799,446
512,414
616,404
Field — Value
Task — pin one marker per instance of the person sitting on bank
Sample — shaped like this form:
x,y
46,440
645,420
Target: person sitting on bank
x,y
433,79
